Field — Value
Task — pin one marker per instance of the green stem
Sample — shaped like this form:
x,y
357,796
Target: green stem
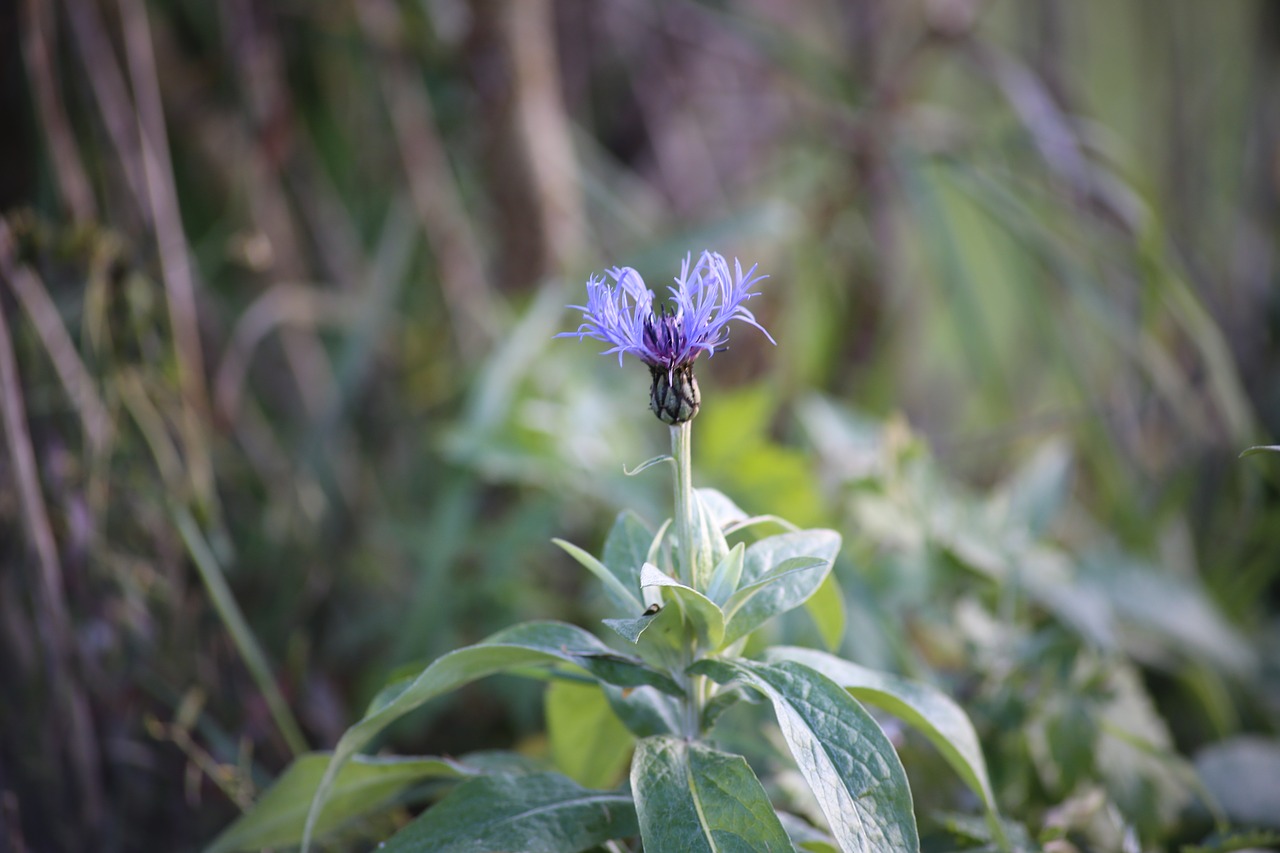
x,y
681,452
695,688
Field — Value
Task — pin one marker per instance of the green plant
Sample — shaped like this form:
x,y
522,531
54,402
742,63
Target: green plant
x,y
691,595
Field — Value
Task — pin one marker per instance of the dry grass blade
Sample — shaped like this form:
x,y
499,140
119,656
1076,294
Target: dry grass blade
x,y
262,80
37,50
175,254
111,95
69,705
57,342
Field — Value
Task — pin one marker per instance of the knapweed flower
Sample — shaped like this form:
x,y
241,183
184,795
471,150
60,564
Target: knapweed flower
x,y
668,337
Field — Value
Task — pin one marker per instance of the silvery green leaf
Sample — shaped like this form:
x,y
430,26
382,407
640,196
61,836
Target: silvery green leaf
x,y
619,595
702,613
654,555
1243,774
841,751
659,635
788,586
690,797
646,464
764,556
626,549
709,545
644,711
721,506
726,575
920,706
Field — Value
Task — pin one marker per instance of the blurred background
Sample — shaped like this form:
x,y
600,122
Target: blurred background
x,y
283,411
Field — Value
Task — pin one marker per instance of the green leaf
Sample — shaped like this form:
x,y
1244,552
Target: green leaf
x,y
788,586
1178,608
701,612
655,545
537,813
365,786
763,557
756,520
522,646
644,711
632,630
723,701
1243,774
647,464
620,596
710,546
1039,488
806,836
588,742
921,706
1261,448
692,798
659,637
626,549
840,750
653,596
721,506
826,609
726,575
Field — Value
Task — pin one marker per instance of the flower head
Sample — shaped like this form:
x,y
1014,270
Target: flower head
x,y
668,338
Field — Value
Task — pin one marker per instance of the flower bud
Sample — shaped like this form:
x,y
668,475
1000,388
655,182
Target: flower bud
x,y
674,397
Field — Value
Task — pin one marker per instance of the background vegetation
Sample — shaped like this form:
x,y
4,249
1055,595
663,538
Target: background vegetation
x,y
282,410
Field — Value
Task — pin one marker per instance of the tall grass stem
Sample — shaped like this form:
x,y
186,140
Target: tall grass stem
x,y
224,602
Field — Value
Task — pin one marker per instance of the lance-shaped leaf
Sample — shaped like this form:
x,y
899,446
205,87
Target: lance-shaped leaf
x,y
365,786
702,613
721,506
537,813
522,646
805,836
645,711
627,547
659,635
653,555
788,586
619,595
726,575
709,545
840,750
921,706
764,556
692,798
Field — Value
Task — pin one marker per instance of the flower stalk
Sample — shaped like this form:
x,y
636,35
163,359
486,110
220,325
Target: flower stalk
x,y
681,453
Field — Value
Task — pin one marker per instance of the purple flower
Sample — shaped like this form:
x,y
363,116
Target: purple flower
x,y
669,337
705,298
